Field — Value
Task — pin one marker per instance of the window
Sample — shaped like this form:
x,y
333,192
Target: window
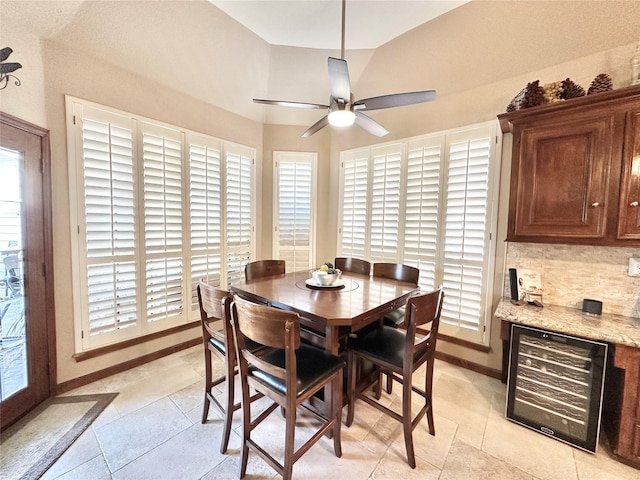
x,y
150,205
428,202
294,209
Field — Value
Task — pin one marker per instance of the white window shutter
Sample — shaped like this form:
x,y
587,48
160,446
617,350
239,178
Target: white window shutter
x,y
354,200
466,232
385,203
425,202
422,209
239,220
294,209
205,208
109,279
149,218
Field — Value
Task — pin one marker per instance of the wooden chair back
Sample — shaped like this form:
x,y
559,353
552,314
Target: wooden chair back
x,y
354,265
422,315
264,268
396,271
271,327
212,311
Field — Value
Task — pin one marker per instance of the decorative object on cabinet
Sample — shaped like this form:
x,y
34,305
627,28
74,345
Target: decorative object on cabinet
x,y
635,66
602,83
6,68
575,171
571,89
534,95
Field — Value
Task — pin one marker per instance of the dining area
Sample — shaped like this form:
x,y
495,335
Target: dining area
x,y
317,344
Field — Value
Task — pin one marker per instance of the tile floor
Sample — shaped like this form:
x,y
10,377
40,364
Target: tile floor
x,y
152,430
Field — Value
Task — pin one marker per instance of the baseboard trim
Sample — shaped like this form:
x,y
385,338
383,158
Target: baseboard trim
x,y
460,362
121,367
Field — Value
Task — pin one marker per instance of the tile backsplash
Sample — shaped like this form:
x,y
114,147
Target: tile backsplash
x,y
571,273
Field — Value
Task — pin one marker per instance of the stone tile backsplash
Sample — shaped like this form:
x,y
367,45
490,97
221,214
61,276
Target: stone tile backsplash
x,y
570,273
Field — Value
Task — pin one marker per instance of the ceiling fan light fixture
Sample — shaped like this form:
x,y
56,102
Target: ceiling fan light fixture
x,y
342,118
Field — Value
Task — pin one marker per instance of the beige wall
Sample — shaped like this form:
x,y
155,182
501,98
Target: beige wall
x,y
476,66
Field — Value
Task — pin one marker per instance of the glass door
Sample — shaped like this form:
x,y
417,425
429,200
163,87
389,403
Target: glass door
x,y
13,357
27,329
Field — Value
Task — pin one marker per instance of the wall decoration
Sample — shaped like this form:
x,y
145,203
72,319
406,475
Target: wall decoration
x,y
7,68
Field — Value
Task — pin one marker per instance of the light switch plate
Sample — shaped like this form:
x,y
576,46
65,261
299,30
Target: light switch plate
x,y
634,267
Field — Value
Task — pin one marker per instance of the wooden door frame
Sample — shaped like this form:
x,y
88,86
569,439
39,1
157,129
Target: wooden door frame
x,y
46,257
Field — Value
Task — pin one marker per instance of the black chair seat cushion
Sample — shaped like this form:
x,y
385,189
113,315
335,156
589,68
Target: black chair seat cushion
x,y
394,319
313,365
220,346
383,343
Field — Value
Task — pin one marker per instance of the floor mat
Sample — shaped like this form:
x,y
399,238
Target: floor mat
x,y
29,447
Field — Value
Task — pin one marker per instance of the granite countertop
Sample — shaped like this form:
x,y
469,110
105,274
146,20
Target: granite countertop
x,y
571,321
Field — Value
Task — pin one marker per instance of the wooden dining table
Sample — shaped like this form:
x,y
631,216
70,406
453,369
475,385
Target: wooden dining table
x,y
329,314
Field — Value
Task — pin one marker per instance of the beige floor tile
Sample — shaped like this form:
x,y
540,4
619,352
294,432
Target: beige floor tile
x,y
432,449
466,404
133,435
393,467
148,388
527,450
94,469
602,466
190,454
229,469
467,462
84,449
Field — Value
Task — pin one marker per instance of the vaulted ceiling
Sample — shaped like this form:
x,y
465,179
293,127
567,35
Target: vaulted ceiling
x,y
197,49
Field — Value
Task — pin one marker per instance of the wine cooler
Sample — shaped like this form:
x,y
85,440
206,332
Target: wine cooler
x,y
555,385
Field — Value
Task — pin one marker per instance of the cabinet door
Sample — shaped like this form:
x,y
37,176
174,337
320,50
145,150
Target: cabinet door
x,y
629,216
561,178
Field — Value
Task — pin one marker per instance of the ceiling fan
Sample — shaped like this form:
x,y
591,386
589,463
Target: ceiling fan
x,y
342,109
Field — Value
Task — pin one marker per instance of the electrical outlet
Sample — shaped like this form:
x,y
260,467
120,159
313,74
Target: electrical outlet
x,y
634,267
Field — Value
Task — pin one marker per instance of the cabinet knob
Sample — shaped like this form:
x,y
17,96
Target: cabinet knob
x,y
634,204
595,204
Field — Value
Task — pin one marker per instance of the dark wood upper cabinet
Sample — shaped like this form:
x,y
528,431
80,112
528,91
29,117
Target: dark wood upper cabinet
x,y
575,170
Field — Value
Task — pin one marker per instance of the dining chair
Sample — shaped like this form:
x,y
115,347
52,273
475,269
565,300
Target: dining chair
x,y
400,352
217,337
354,265
264,268
402,273
289,374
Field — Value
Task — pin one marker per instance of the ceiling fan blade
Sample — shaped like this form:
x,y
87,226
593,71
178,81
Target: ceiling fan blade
x,y
323,122
339,79
289,104
370,125
394,100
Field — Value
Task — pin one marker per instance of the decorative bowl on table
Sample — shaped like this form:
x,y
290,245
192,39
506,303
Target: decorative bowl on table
x,y
326,275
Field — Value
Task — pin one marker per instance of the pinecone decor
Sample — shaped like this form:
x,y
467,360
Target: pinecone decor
x,y
517,101
552,92
533,95
570,89
602,83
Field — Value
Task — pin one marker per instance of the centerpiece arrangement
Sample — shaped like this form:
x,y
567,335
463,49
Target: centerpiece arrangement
x,y
326,275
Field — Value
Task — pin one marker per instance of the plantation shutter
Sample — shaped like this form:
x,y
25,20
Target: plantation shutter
x,y
428,206
385,203
109,281
466,233
422,210
354,199
205,208
162,177
239,221
294,179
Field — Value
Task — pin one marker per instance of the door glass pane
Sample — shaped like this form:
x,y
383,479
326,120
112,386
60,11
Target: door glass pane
x,y
13,352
